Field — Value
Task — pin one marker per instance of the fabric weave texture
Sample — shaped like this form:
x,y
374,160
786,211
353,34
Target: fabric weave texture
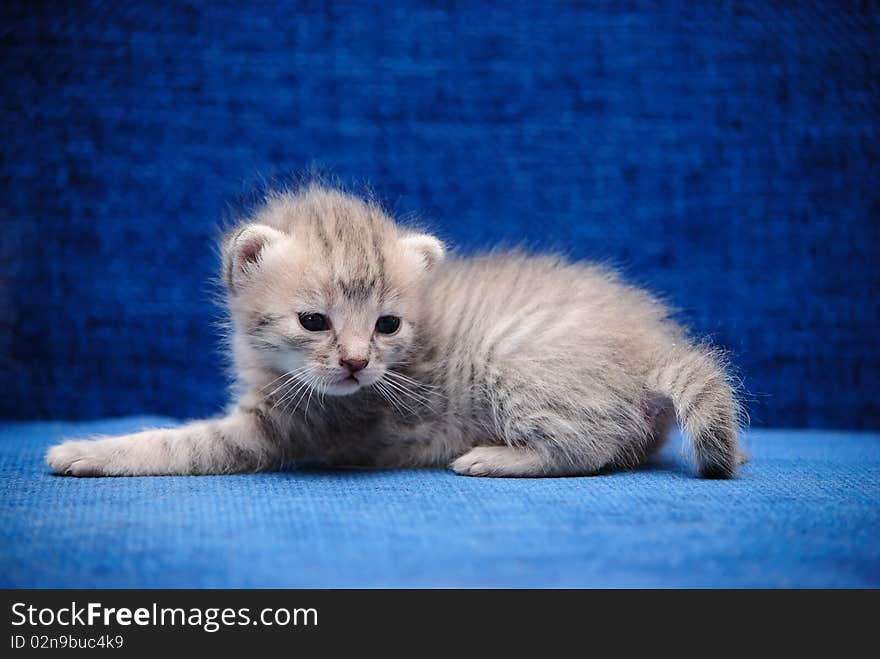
x,y
805,512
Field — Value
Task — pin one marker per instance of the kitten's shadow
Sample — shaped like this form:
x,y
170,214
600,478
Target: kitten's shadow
x,y
317,468
665,461
660,462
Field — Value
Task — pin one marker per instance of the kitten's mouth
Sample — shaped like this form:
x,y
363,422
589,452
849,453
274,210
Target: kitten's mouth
x,y
344,385
347,382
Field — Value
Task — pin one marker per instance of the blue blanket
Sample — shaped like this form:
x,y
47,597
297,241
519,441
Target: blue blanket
x,y
725,155
805,512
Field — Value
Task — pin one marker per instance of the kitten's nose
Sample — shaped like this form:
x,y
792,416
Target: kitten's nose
x,y
354,365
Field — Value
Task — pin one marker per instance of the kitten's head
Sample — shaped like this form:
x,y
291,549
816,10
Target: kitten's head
x,y
324,287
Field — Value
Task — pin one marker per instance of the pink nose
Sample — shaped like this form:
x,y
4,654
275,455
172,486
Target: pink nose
x,y
354,365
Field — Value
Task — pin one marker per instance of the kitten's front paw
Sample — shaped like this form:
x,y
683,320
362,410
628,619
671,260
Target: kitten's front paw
x,y
80,457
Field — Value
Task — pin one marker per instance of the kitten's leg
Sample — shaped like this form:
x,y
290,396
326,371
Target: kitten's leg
x,y
545,432
241,442
516,461
661,417
502,461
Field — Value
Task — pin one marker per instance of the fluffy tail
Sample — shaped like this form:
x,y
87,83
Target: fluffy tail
x,y
696,382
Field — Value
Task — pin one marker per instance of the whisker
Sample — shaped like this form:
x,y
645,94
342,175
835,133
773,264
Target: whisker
x,y
386,394
313,381
383,391
294,375
410,380
308,389
397,386
266,386
408,383
295,398
322,390
293,371
415,384
291,394
412,408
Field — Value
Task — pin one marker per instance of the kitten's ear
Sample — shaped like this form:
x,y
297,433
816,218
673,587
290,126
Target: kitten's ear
x,y
428,249
242,251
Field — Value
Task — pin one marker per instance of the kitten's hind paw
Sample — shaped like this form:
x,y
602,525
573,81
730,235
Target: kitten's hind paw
x,y
500,461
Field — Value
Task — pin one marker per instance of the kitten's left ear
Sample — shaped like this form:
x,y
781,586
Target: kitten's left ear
x,y
428,249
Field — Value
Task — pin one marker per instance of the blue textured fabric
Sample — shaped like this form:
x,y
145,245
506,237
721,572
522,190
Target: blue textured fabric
x,y
805,512
725,154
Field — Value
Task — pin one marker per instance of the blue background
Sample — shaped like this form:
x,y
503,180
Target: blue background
x,y
725,157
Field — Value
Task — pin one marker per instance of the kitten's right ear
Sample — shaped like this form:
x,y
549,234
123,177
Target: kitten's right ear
x,y
427,249
242,252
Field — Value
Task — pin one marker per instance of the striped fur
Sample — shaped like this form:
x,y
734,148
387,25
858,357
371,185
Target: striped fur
x,y
503,365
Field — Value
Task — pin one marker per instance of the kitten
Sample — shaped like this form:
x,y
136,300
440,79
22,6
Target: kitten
x,y
357,343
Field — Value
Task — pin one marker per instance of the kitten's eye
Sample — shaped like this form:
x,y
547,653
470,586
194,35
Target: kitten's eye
x,y
314,322
387,324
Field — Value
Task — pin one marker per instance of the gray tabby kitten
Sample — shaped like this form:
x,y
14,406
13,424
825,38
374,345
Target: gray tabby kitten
x,y
356,343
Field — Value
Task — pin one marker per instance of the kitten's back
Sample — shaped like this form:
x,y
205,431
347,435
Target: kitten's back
x,y
507,306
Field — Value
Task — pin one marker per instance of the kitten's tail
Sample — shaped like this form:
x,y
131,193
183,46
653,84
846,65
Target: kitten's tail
x,y
698,384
